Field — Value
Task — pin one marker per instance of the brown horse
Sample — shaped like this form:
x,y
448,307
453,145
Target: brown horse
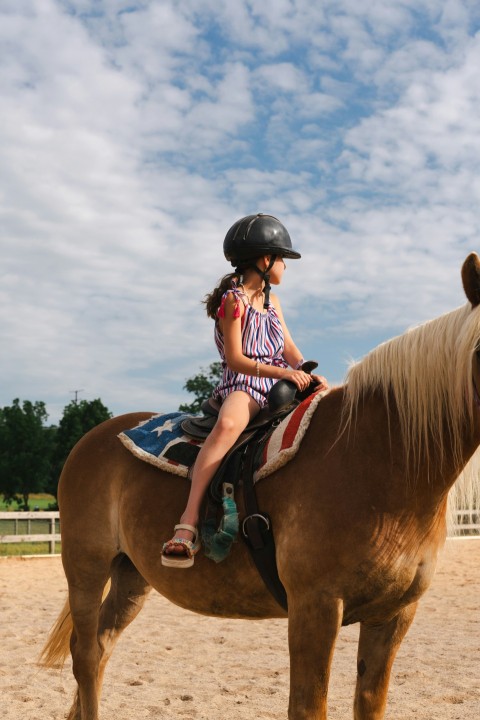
x,y
359,516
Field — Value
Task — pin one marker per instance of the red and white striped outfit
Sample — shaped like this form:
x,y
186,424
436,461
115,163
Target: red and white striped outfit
x,y
262,340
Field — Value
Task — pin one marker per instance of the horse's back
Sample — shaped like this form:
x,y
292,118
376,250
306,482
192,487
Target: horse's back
x,y
98,450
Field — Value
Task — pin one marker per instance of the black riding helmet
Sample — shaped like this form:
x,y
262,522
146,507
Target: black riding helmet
x,y
252,237
256,235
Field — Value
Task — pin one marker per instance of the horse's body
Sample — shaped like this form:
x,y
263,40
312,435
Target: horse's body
x,y
358,524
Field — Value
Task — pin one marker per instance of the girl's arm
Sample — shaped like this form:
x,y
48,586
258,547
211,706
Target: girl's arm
x,y
231,328
291,353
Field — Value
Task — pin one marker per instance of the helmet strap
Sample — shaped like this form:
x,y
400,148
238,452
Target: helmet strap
x,y
265,275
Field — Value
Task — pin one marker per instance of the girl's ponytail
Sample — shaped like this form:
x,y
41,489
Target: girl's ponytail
x,y
212,300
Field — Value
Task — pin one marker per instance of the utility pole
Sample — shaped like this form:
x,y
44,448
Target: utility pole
x,y
76,394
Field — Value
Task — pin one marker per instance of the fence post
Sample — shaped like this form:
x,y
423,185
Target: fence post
x,y
52,532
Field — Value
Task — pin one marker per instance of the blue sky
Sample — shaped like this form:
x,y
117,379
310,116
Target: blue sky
x,y
132,135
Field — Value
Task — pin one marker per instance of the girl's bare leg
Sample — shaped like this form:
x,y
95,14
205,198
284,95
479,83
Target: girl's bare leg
x,y
236,411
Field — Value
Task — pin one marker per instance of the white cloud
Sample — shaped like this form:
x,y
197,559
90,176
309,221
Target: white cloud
x,y
134,135
429,141
282,76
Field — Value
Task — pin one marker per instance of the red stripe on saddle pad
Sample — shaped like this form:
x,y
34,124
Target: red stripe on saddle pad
x,y
284,436
295,420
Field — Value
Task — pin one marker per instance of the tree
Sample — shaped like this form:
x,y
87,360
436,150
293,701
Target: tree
x,y
26,447
202,386
78,418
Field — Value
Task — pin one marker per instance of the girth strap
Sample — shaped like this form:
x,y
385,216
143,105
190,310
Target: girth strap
x,y
257,532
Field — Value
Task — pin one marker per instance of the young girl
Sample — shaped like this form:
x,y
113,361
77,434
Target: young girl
x,y
256,351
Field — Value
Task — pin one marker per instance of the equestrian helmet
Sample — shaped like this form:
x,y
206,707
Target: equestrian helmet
x,y
256,235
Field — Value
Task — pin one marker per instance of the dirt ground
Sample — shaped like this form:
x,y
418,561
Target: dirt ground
x,y
173,664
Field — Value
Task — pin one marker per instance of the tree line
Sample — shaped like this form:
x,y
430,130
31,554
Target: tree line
x,y
33,453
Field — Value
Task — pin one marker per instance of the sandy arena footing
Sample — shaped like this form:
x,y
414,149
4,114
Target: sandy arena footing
x,y
173,664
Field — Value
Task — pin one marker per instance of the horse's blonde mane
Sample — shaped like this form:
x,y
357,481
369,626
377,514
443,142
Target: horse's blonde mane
x,y
427,374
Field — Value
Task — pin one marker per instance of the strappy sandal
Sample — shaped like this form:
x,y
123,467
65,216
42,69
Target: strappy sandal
x,y
190,547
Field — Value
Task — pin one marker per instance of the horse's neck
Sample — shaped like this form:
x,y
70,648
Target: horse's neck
x,y
435,472
374,442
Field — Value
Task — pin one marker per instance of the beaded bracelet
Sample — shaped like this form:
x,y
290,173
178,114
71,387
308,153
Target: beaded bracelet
x,y
299,364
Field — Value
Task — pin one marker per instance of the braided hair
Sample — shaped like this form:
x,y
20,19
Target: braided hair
x,y
213,300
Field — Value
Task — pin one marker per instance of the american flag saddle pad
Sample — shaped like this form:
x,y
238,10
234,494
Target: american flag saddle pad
x,y
161,441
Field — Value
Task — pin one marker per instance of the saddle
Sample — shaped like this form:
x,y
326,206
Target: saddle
x,y
199,427
282,399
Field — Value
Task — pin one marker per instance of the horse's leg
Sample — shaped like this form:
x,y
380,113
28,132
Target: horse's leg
x,y
313,625
85,591
128,592
96,631
377,647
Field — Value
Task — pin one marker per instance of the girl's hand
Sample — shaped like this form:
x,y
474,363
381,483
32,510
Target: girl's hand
x,y
322,383
301,379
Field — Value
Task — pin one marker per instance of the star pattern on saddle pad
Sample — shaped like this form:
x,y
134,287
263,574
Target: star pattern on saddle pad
x,y
161,441
169,427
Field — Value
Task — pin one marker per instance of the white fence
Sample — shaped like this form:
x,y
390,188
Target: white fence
x,y
467,524
19,527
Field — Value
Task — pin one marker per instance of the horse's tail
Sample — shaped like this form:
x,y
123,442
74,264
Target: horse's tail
x,y
57,647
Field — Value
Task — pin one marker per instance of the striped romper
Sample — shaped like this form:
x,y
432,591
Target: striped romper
x,y
262,340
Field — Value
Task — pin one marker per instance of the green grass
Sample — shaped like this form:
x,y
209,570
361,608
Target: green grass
x,y
40,500
16,549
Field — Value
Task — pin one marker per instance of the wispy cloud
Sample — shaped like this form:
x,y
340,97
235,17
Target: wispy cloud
x,y
134,134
